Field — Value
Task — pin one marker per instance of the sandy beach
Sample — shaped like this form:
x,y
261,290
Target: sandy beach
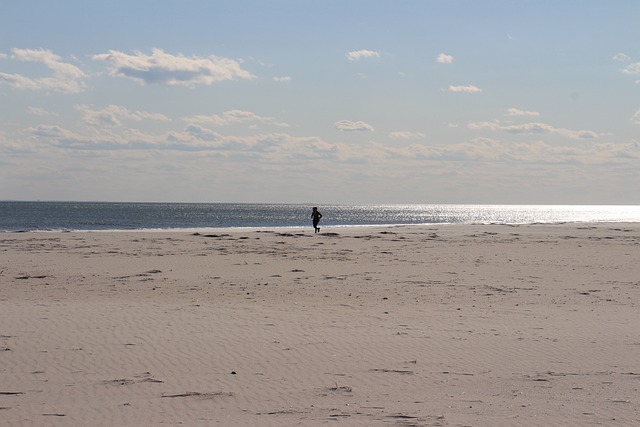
x,y
449,325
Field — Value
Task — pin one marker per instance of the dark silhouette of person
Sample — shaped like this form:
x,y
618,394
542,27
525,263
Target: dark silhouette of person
x,y
316,215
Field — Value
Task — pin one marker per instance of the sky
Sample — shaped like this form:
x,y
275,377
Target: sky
x,y
325,101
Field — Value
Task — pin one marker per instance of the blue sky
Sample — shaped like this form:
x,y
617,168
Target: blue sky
x,y
524,102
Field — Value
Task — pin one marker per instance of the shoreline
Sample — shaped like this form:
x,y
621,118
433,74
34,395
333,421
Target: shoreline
x,y
303,228
483,325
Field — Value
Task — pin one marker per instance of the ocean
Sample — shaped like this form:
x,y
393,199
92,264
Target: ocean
x,y
87,216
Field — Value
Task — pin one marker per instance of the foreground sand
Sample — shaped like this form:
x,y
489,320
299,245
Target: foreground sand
x,y
407,326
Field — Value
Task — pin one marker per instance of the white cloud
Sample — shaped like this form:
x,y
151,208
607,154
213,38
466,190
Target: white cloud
x,y
357,55
282,79
444,58
535,152
49,131
534,129
234,117
37,111
10,149
203,134
275,148
285,147
621,57
632,68
467,89
406,135
99,138
348,126
514,112
268,147
143,115
64,138
3,55
636,117
173,70
113,114
67,78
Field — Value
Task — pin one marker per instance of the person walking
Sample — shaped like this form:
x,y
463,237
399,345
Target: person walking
x,y
315,216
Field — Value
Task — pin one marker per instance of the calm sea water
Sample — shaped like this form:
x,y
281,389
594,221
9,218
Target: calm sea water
x,y
27,216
